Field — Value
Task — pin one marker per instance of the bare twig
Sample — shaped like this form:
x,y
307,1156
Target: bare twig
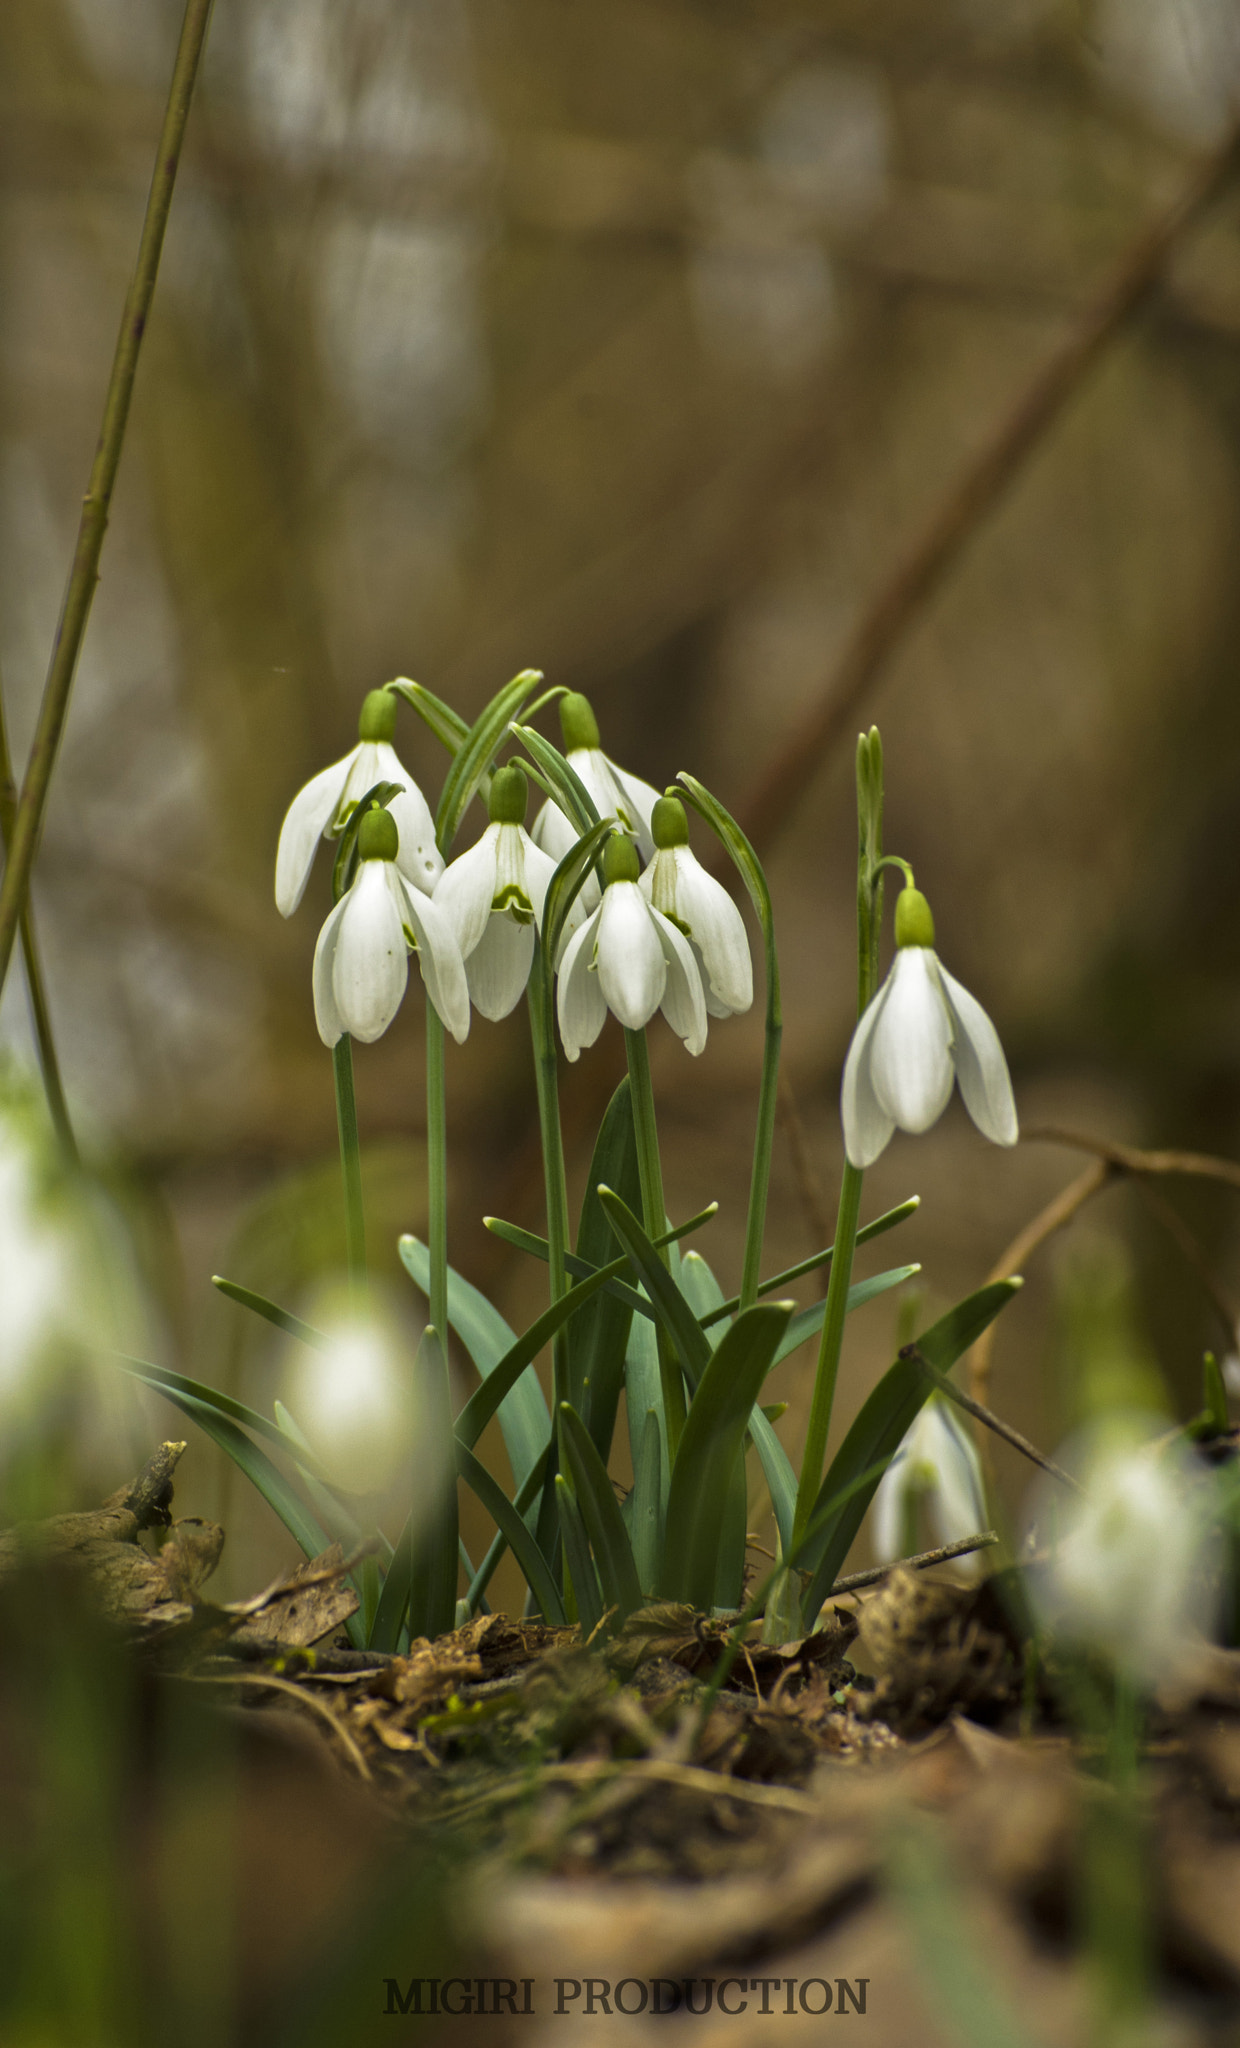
x,y
922,1562
28,820
1129,1159
992,1421
1055,1216
40,1014
299,1692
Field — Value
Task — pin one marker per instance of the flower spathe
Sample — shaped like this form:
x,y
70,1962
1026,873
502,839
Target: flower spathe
x,y
630,959
936,1462
678,885
322,808
613,791
493,897
361,961
922,1033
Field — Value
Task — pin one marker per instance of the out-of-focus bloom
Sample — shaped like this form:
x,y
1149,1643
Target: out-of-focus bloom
x,y
493,898
1130,1564
922,1032
361,961
323,807
615,793
936,1463
357,1404
677,884
628,958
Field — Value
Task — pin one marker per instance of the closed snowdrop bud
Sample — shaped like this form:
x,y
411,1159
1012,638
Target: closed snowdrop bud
x,y
361,960
630,959
922,1033
677,884
322,809
1130,1566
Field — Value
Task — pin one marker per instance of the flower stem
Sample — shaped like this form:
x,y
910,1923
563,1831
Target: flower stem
x,y
40,1015
28,820
654,1211
432,1608
546,1076
764,1138
350,1165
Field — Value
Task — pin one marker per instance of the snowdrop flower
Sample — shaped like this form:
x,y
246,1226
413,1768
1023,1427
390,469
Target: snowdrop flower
x,y
936,1463
1132,1562
322,809
677,884
493,898
615,793
921,1032
357,1402
629,958
360,962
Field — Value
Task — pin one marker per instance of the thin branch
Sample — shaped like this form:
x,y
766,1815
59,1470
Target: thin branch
x,y
956,518
992,1421
28,822
1129,1159
1055,1216
922,1562
40,1013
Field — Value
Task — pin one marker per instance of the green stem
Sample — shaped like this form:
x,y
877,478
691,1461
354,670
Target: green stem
x,y
432,1608
350,1165
760,1179
84,575
40,1014
546,1076
654,1216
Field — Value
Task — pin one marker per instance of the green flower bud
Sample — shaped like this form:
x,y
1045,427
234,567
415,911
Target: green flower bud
x,y
509,792
378,838
577,722
914,924
378,716
620,862
668,823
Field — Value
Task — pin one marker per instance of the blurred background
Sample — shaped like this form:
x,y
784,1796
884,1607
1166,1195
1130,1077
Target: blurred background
x,y
638,344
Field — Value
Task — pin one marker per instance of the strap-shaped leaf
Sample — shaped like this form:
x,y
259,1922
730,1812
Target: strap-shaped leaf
x,y
524,1498
485,1400
646,1503
669,1303
165,1381
446,724
476,752
719,1414
566,885
283,1318
599,1336
523,1415
568,789
529,1241
517,1535
580,1564
600,1512
808,1321
820,1259
882,1423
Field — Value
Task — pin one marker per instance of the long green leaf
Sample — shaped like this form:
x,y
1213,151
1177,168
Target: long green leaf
x,y
283,1318
646,1504
446,724
570,791
526,1496
884,1420
808,1321
581,1269
520,1541
599,1336
669,1303
582,1574
719,1414
523,1415
165,1381
877,1228
475,754
565,887
485,1400
600,1511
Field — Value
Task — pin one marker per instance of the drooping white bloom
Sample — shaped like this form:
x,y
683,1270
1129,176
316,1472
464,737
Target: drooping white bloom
x,y
493,898
921,1033
355,1399
937,1463
677,884
361,961
630,959
614,792
322,809
1130,1569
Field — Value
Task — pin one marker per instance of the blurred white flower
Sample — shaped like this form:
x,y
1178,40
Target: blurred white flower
x,y
630,959
921,1033
938,1464
1130,1565
361,961
615,793
355,1402
678,885
493,898
323,807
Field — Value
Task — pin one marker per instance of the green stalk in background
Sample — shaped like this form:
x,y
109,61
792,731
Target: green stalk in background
x,y
350,1167
40,1014
869,927
654,1216
432,1608
542,1034
28,821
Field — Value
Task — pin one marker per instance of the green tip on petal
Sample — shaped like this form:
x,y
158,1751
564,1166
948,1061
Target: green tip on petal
x,y
378,838
620,862
668,823
509,794
914,924
378,716
577,722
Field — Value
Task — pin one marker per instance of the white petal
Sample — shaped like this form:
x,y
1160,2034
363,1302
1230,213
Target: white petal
x,y
418,858
887,1509
326,1014
537,870
632,971
617,794
306,822
958,1503
580,1004
867,1126
980,1066
439,956
554,832
499,966
640,800
683,1003
681,888
466,890
910,1055
371,965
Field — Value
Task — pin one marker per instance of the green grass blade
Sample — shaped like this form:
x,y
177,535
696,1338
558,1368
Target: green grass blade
x,y
523,1414
523,1500
808,1321
669,1303
646,1504
282,1318
719,1414
885,1418
567,786
256,1465
599,1336
877,1228
486,1399
518,1537
475,754
600,1512
577,1551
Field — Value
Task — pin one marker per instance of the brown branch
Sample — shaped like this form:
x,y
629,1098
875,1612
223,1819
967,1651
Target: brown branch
x,y
935,550
1129,1159
1055,1216
922,1562
990,1419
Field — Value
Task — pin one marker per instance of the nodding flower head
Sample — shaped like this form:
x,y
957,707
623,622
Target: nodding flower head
x,y
630,959
361,961
322,809
677,884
